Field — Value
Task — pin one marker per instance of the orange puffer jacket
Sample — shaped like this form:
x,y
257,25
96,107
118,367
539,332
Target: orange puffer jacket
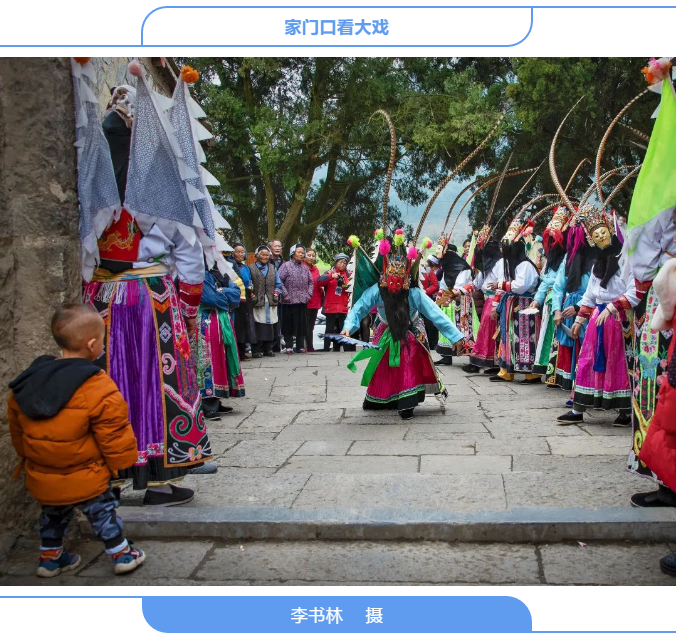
x,y
72,456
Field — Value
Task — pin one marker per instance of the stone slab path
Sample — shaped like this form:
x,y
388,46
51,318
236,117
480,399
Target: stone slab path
x,y
213,562
301,440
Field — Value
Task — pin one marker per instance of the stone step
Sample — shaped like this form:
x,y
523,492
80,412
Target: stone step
x,y
526,525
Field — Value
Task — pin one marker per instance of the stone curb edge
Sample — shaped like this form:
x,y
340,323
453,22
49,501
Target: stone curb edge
x,y
531,525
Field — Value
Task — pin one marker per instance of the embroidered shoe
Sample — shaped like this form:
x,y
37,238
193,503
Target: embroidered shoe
x,y
127,560
50,567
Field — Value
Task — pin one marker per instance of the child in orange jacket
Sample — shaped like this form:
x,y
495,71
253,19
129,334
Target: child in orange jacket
x,y
68,423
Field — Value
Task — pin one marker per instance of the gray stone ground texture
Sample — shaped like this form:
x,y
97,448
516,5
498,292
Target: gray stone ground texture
x,y
300,440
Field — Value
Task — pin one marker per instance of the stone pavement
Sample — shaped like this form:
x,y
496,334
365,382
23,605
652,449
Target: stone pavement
x,y
301,440
214,562
300,449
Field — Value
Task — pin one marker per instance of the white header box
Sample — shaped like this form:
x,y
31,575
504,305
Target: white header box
x,y
364,27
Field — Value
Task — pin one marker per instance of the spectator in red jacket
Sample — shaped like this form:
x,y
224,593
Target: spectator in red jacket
x,y
315,303
335,283
430,284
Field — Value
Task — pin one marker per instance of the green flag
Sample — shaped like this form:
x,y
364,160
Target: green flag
x,y
365,274
655,190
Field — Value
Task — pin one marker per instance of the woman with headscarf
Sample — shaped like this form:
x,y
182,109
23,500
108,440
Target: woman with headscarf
x,y
244,326
267,291
603,379
298,288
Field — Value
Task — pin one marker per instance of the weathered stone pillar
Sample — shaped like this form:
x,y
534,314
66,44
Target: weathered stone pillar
x,y
39,245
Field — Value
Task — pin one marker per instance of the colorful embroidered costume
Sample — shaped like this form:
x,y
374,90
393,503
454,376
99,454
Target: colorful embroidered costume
x,y
491,266
147,283
399,372
218,369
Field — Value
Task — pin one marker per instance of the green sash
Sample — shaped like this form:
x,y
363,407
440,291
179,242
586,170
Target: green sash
x,y
550,331
375,355
231,354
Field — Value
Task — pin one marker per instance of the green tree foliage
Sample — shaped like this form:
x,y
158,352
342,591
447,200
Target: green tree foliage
x,y
539,94
300,157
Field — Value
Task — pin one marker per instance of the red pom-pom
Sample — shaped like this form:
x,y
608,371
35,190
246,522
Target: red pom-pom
x,y
399,232
82,60
384,247
135,68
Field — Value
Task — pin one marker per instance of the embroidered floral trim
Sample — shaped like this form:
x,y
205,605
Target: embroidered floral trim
x,y
190,296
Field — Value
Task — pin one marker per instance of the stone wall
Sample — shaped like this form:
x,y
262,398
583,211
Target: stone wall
x,y
39,246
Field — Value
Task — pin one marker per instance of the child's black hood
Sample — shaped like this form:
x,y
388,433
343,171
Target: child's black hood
x,y
42,390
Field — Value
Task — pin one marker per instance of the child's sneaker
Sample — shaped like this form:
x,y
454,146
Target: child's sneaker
x,y
51,566
128,560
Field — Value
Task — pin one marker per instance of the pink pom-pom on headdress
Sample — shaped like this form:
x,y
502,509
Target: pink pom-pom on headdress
x,y
427,244
385,247
412,252
399,232
135,68
657,70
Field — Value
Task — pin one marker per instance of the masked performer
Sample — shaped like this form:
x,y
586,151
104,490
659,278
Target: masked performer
x,y
553,241
652,247
488,261
130,281
400,370
603,380
430,284
570,285
658,452
518,332
455,300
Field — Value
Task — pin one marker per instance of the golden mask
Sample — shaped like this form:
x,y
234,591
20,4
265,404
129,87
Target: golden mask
x,y
602,236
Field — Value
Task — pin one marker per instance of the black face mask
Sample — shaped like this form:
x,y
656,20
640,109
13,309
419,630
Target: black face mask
x,y
580,264
607,261
488,256
452,265
514,253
